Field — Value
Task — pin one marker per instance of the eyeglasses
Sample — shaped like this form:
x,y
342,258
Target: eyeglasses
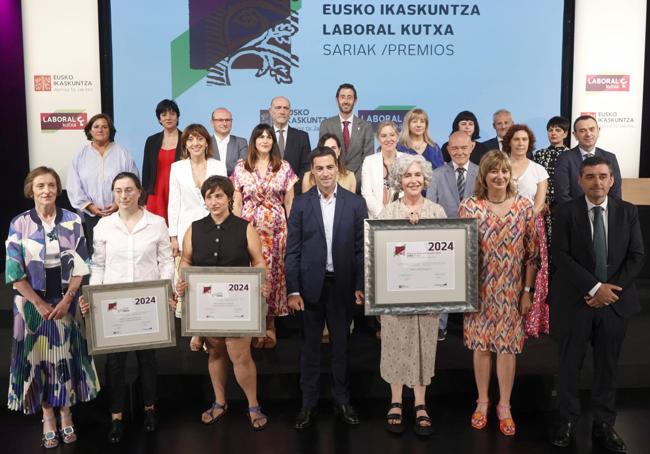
x,y
464,148
127,191
222,120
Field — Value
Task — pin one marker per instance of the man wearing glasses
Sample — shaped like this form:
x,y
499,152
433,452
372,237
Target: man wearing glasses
x,y
227,148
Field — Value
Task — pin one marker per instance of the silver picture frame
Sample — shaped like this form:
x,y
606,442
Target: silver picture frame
x,y
200,278
102,335
460,295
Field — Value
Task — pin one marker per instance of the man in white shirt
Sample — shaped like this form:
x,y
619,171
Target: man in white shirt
x,y
501,122
227,147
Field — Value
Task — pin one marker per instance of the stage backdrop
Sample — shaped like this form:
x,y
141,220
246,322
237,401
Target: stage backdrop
x,y
609,51
443,57
62,83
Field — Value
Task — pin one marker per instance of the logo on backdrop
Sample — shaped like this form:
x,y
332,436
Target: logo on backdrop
x,y
61,83
302,119
42,83
612,119
395,114
604,82
55,121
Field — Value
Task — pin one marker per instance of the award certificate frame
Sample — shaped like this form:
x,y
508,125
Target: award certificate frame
x,y
223,301
424,268
129,316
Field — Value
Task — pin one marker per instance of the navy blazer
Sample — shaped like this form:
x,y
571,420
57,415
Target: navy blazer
x,y
150,159
296,153
306,253
443,189
237,149
575,262
567,171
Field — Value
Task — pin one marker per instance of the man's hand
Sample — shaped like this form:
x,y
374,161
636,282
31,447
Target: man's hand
x,y
604,295
358,294
296,303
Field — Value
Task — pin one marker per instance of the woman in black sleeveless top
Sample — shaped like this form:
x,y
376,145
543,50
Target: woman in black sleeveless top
x,y
223,239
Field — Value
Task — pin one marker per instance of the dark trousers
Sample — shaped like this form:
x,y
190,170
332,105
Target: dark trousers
x,y
147,373
330,308
89,224
605,330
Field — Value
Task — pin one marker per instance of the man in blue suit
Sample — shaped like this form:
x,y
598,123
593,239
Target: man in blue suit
x,y
324,275
452,183
567,167
501,122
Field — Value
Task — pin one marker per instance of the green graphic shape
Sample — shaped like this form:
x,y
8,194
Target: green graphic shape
x,y
183,77
296,5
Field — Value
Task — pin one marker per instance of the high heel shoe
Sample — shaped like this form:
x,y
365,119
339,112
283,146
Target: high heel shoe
x,y
479,418
50,438
506,424
67,432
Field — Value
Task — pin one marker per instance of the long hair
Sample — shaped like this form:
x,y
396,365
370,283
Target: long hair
x,y
252,155
491,160
405,136
321,143
196,129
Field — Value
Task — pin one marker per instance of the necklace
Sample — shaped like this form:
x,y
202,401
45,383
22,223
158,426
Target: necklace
x,y
497,203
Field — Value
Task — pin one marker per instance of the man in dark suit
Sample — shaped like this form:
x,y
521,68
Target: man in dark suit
x,y
324,275
293,143
452,183
501,122
597,249
227,148
567,167
354,133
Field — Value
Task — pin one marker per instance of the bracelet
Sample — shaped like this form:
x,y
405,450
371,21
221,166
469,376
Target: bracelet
x,y
71,293
527,289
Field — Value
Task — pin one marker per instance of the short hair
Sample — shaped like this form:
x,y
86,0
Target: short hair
x,y
220,182
491,160
466,115
582,118
278,97
499,112
563,123
142,200
275,158
321,143
348,86
403,163
196,129
511,132
92,121
596,161
385,123
405,134
321,151
167,105
28,189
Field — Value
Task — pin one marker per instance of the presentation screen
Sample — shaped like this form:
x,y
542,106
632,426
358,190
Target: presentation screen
x,y
442,57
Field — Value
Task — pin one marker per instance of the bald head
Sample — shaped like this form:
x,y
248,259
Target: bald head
x,y
221,122
280,111
460,147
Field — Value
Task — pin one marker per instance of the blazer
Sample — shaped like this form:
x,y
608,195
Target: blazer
x,y
237,149
306,253
575,263
185,201
362,142
150,159
296,152
491,144
567,171
372,183
443,189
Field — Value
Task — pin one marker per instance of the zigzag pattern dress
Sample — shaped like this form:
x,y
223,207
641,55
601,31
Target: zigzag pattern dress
x,y
507,244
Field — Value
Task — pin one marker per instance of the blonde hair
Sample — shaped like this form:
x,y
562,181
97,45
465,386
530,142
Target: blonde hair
x,y
494,159
405,136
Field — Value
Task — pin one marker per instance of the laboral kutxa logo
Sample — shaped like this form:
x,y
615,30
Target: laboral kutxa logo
x,y
606,82
233,35
55,121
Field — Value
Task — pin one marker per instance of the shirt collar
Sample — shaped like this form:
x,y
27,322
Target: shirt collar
x,y
341,120
456,166
584,152
320,194
225,139
591,205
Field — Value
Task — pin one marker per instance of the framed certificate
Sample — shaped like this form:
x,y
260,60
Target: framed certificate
x,y
131,316
424,268
223,302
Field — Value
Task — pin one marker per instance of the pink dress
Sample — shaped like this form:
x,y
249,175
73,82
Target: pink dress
x,y
263,207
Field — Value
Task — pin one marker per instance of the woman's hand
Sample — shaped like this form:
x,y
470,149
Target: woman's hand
x,y
266,290
43,309
61,309
172,303
175,250
181,285
414,217
84,306
525,303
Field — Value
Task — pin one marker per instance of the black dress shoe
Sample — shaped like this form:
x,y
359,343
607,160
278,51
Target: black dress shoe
x,y
305,418
346,413
116,431
563,434
150,421
442,334
607,437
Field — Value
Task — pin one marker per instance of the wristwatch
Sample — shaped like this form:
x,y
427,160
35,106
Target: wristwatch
x,y
71,293
527,289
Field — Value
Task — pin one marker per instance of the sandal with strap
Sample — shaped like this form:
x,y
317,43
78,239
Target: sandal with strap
x,y
479,418
394,422
506,424
423,430
209,413
254,421
50,439
67,433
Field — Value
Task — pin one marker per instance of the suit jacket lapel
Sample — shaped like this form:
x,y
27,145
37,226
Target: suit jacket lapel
x,y
451,180
338,212
583,225
612,217
315,204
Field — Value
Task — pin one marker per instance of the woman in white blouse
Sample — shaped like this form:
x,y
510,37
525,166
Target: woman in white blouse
x,y
131,245
377,167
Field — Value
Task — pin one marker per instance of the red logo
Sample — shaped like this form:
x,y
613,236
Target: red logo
x,y
604,82
54,121
42,83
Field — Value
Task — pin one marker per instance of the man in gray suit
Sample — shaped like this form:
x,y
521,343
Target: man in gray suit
x,y
227,148
450,184
354,133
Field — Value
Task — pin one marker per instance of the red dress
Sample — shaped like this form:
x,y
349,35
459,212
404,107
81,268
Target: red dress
x,y
157,202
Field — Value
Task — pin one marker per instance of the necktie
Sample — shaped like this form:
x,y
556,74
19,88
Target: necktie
x,y
600,245
281,141
587,155
460,182
346,135
500,143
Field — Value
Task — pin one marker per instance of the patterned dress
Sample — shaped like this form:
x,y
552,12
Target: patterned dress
x,y
507,245
263,206
49,358
547,158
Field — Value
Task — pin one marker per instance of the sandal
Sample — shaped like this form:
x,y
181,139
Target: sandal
x,y
67,433
210,417
50,438
196,344
506,424
254,421
394,422
423,430
479,418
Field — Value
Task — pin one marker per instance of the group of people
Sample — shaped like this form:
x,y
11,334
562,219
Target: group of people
x,y
219,200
